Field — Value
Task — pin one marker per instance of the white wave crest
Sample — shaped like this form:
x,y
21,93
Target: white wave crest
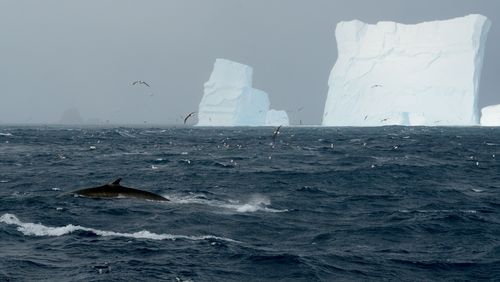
x,y
438,211
37,229
5,134
125,133
255,203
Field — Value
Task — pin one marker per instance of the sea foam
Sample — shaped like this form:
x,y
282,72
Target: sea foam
x,y
38,229
256,203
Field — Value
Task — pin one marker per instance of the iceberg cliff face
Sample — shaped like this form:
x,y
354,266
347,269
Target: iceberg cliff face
x,y
490,116
277,118
230,100
422,74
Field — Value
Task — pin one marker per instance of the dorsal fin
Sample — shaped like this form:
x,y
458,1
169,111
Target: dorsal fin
x,y
117,182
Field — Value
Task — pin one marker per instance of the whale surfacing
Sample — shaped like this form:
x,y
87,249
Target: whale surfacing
x,y
116,190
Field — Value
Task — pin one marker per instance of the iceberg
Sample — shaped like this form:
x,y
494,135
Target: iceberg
x,y
397,74
277,118
71,116
230,100
490,116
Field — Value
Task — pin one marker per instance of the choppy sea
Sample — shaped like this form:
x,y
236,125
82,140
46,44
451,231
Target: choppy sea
x,y
321,204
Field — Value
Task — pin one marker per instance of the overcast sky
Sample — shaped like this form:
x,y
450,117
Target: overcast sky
x,y
56,55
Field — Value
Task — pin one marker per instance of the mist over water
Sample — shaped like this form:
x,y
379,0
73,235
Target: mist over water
x,y
388,203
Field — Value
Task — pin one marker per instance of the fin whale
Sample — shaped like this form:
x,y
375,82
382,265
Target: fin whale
x,y
116,190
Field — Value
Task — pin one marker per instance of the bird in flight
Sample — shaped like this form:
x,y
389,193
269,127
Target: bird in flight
x,y
188,116
275,134
140,82
376,85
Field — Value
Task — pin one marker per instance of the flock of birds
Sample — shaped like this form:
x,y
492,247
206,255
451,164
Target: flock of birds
x,y
192,114
142,82
276,132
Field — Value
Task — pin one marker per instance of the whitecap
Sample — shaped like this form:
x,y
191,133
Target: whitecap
x,y
125,133
38,229
468,211
5,134
254,204
446,211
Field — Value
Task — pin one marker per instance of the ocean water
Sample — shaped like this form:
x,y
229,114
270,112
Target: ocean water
x,y
322,204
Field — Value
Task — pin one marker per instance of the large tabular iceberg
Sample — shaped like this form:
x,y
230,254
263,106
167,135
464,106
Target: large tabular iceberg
x,y
230,100
422,74
490,116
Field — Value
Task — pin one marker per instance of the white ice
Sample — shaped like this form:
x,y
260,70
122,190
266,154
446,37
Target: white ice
x,y
277,118
229,98
490,116
416,74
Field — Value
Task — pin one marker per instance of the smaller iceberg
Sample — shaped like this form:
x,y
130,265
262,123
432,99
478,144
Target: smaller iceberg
x,y
230,100
277,118
71,116
490,116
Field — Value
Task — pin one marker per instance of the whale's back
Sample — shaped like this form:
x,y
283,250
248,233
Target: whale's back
x,y
118,191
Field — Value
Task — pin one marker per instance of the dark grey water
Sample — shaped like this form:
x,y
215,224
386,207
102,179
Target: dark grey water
x,y
323,204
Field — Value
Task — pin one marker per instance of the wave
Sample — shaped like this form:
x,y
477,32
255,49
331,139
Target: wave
x,y
5,134
125,133
255,203
438,211
38,229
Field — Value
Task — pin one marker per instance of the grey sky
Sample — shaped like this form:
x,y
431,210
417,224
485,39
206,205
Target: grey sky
x,y
56,55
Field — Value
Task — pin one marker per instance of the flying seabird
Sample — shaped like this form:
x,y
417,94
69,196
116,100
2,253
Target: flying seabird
x,y
376,85
275,134
140,82
188,116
